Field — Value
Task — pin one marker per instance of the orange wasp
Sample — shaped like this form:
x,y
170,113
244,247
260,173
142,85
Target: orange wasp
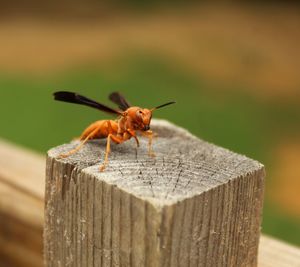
x,y
130,120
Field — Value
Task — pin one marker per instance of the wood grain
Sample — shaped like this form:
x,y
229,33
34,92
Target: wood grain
x,y
194,204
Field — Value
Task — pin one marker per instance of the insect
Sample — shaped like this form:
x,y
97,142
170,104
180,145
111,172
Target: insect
x,y
130,120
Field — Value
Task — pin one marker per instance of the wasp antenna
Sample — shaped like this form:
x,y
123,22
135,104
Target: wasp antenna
x,y
163,105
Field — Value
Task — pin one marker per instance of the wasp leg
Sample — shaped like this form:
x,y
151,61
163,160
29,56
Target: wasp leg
x,y
64,155
150,151
133,134
149,134
102,167
107,151
137,141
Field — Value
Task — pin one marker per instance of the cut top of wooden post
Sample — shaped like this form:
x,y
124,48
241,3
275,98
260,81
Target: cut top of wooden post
x,y
184,165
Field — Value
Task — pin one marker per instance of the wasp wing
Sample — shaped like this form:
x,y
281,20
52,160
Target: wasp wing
x,y
118,99
72,97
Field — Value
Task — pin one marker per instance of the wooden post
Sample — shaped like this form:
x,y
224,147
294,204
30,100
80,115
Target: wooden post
x,y
194,204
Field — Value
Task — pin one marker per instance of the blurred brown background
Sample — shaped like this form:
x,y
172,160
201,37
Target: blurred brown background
x,y
233,69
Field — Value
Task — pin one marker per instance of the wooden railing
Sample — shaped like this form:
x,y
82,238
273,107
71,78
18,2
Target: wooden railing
x,y
22,185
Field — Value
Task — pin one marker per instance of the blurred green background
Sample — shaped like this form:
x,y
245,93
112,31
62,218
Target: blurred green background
x,y
233,70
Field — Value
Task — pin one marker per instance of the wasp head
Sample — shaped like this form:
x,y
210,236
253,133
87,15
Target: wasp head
x,y
140,118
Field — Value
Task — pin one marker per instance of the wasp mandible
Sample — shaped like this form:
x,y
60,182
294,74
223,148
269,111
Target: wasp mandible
x,y
130,120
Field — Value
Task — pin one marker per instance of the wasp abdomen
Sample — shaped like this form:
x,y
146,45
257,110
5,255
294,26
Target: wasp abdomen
x,y
100,129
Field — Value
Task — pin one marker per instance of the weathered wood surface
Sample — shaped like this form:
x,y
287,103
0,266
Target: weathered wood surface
x,y
194,204
272,252
22,187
